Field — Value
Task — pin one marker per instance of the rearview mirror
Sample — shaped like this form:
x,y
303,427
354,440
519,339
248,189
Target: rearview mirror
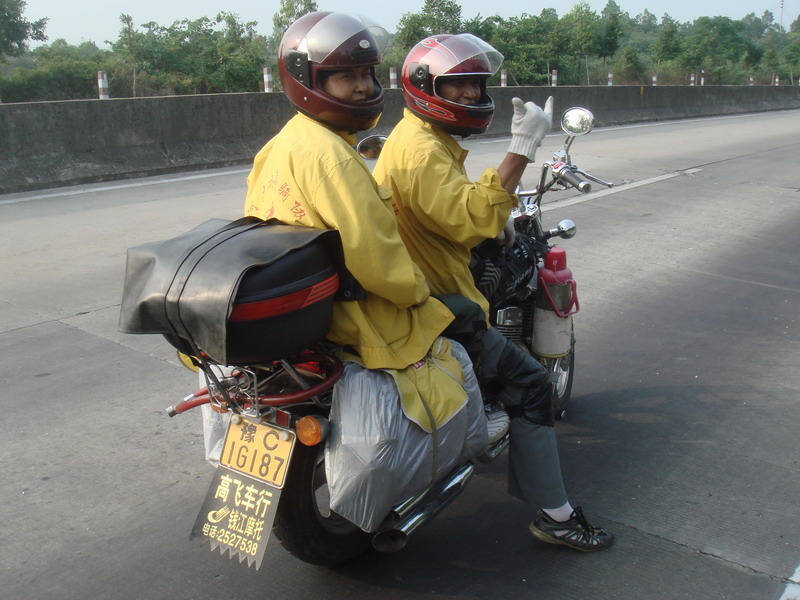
x,y
370,147
577,121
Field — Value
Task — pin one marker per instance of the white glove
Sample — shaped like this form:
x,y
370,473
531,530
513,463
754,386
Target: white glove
x,y
529,125
507,236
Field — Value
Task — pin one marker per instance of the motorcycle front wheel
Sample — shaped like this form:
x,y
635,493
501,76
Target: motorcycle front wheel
x,y
305,524
563,368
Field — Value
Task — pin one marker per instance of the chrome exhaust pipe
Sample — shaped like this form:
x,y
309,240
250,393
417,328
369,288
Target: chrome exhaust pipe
x,y
420,509
494,450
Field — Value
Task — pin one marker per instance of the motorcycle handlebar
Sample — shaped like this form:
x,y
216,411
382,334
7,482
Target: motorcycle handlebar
x,y
564,173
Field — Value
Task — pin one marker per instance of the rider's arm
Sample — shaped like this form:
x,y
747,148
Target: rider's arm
x,y
449,204
351,202
511,170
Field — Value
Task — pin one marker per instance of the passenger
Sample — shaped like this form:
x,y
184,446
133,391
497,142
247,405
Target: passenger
x,y
309,174
442,214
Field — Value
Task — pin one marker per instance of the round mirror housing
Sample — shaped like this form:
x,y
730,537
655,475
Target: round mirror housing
x,y
566,229
577,121
370,147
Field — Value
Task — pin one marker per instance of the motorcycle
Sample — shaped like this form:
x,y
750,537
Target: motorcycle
x,y
532,294
272,412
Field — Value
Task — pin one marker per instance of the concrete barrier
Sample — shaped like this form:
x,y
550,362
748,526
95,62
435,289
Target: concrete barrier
x,y
48,144
59,143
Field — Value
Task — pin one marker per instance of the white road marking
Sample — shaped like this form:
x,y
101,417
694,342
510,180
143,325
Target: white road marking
x,y
792,591
118,186
614,190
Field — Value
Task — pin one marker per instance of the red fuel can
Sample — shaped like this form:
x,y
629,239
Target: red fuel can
x,y
557,301
557,284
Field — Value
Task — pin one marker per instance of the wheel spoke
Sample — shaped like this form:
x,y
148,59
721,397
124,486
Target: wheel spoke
x,y
561,367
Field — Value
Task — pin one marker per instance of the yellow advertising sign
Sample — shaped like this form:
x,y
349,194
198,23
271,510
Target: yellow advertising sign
x,y
237,515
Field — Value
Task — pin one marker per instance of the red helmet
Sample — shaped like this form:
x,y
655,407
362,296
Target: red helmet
x,y
457,56
321,41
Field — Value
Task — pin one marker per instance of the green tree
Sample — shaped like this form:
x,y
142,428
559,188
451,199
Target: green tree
x,y
646,21
522,43
752,57
718,45
792,57
770,24
412,28
754,28
640,32
16,30
194,56
583,26
288,13
771,59
127,47
58,71
554,40
483,28
632,65
444,16
436,16
241,54
667,45
611,30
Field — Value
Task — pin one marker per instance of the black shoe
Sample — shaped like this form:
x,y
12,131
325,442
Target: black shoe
x,y
576,533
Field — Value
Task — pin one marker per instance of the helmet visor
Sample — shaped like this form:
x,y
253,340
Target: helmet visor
x,y
460,55
327,35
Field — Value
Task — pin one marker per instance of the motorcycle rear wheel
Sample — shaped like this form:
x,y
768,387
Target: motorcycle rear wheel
x,y
305,524
564,369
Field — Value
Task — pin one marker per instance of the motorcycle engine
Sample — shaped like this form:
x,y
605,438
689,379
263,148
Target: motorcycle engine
x,y
507,277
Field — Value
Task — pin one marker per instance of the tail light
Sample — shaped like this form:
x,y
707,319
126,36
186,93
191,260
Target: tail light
x,y
311,430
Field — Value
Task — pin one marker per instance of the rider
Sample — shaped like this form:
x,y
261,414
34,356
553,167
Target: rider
x,y
442,214
309,174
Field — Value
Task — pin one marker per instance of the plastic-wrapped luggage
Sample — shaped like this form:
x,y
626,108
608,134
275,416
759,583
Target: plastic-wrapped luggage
x,y
377,456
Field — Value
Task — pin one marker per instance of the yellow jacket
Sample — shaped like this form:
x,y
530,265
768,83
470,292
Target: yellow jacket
x,y
310,175
441,214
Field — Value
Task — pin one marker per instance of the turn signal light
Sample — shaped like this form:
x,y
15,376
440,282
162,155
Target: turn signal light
x,y
311,430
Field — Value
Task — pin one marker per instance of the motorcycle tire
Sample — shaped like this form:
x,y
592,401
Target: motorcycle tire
x,y
304,523
564,370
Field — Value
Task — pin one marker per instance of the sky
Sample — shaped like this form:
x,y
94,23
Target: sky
x,y
79,21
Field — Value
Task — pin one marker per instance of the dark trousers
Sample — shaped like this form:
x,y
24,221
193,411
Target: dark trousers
x,y
512,377
515,379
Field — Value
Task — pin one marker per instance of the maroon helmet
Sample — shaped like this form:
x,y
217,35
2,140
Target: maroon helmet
x,y
331,41
437,57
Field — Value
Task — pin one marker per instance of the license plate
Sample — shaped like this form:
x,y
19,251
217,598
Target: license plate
x,y
258,450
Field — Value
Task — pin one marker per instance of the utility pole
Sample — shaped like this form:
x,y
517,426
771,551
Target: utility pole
x,y
781,16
